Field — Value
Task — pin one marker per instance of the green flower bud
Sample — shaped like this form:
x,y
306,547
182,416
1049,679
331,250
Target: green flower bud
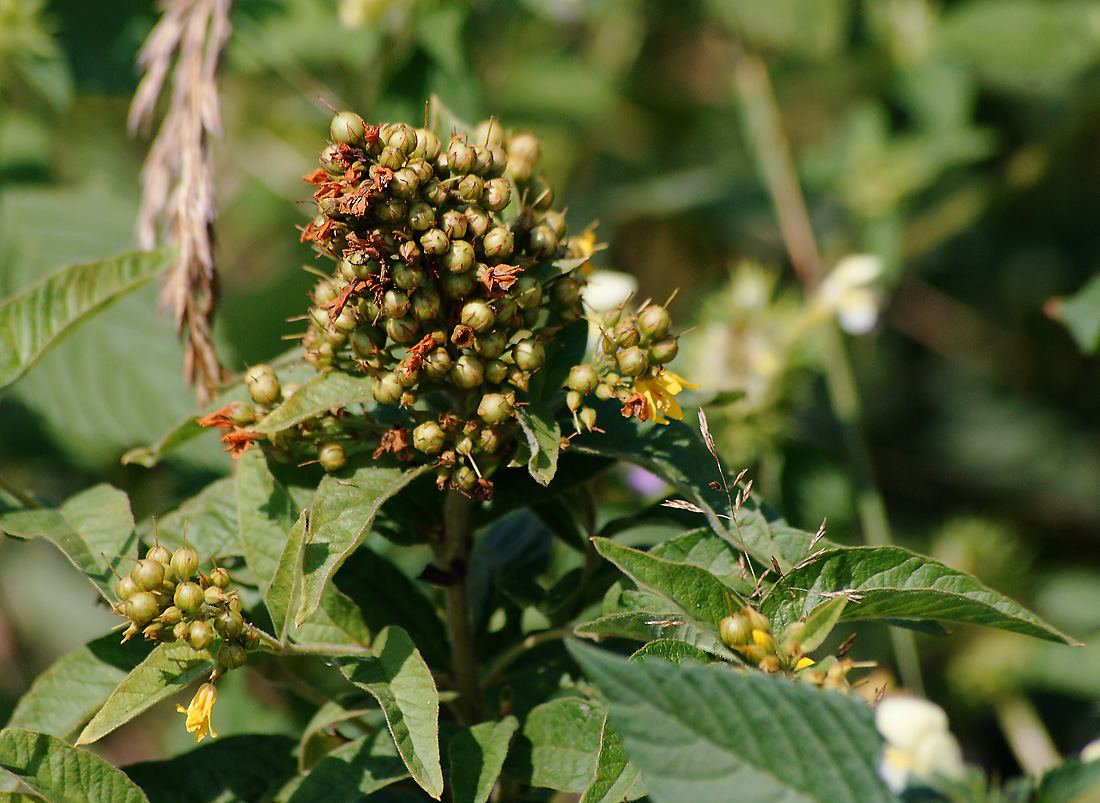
x,y
479,221
483,160
566,291
529,355
401,137
454,224
478,315
391,210
583,379
395,303
497,194
588,418
654,322
626,334
460,156
434,192
348,128
573,400
491,344
496,371
434,242
403,330
495,408
459,257
505,309
421,216
425,304
470,188
161,554
429,438
240,414
200,635
664,351
438,364
229,625
458,285
404,184
184,562
172,615
407,277
527,292
147,574
386,389
231,655
633,361
468,372
464,479
125,587
429,143
263,385
141,608
736,630
498,243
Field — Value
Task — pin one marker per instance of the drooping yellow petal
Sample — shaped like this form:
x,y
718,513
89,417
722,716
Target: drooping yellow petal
x,y
660,393
198,713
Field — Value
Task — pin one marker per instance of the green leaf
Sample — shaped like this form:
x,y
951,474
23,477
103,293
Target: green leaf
x,y
337,623
63,697
167,669
477,755
507,559
702,597
543,434
1080,314
351,771
1070,782
40,317
20,797
149,456
820,623
339,521
208,521
93,524
706,550
671,650
558,745
231,768
399,679
265,516
653,626
384,595
61,773
894,582
282,591
698,732
803,28
615,775
325,391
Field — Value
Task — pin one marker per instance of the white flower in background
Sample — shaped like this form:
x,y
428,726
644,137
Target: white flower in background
x,y
1091,751
918,742
849,293
605,290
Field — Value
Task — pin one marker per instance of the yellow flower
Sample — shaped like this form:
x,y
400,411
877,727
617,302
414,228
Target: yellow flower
x,y
198,713
803,662
659,394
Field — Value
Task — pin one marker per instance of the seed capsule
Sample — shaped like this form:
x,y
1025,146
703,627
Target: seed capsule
x,y
460,156
263,385
736,630
188,597
141,608
219,578
438,364
404,183
470,188
386,389
529,355
147,574
491,345
458,285
664,351
425,304
229,625
161,554
495,408
184,562
479,221
402,330
498,243
200,635
407,277
654,322
468,372
633,361
391,158
497,194
348,128
583,379
402,138
454,224
421,216
395,303
436,242
496,371
478,315
429,438
125,587
459,257
588,418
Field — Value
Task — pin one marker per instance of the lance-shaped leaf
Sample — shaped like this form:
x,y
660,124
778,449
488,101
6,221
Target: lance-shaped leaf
x,y
167,669
325,391
651,626
702,597
477,755
282,591
339,521
149,456
336,626
93,524
542,434
615,775
62,773
63,697
40,317
399,679
250,767
700,732
820,623
351,771
892,582
265,515
558,745
706,550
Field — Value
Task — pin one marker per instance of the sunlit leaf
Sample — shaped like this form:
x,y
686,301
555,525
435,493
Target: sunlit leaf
x,y
352,770
477,755
325,391
615,775
542,434
558,745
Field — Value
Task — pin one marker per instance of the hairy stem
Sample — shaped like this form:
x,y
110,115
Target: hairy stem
x,y
453,553
764,132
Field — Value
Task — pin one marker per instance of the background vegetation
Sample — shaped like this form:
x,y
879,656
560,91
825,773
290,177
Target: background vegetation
x,y
957,141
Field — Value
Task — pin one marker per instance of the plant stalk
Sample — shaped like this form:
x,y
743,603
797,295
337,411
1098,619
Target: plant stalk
x,y
453,553
764,132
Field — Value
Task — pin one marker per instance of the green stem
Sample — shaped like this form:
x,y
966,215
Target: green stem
x,y
453,552
764,131
21,496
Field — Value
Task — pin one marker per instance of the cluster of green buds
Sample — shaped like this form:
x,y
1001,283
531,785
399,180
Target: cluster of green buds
x,y
749,634
452,274
168,600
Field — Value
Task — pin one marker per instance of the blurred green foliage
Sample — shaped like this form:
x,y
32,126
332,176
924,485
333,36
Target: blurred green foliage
x,y
957,141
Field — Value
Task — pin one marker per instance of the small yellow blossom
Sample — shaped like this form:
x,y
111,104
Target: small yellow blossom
x,y
198,713
659,394
803,662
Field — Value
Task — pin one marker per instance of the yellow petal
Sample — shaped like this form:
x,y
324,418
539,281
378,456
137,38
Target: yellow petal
x,y
198,713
